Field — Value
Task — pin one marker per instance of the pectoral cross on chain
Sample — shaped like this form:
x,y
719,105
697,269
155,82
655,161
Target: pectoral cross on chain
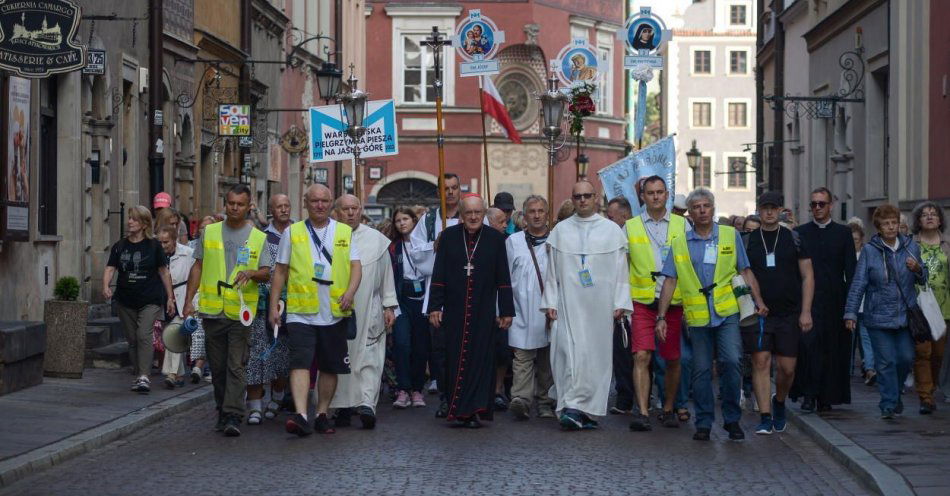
x,y
468,269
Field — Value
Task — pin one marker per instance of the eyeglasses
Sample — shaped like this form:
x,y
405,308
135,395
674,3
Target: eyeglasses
x,y
585,196
818,204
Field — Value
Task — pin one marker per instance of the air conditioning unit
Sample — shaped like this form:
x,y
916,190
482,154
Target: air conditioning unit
x,y
143,79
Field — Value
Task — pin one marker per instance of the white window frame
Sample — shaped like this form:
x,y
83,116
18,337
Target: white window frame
x,y
416,21
712,171
748,112
749,178
728,14
748,60
712,112
712,60
606,41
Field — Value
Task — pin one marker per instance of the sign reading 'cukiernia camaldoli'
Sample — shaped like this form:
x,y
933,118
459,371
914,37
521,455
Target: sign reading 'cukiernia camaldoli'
x,y
37,37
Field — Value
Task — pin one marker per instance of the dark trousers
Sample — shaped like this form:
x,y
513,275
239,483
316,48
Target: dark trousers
x,y
411,344
226,347
437,360
623,367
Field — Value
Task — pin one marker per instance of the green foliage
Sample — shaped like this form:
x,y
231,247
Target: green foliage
x,y
67,289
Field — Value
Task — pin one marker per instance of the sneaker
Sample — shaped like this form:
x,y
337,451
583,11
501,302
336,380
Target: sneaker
x,y
417,400
640,423
926,408
402,399
169,383
219,425
254,418
702,434
142,385
367,416
570,421
669,420
231,426
321,424
619,411
765,427
298,425
195,375
520,408
808,404
343,417
779,420
887,414
443,410
433,387
501,403
589,423
735,432
545,411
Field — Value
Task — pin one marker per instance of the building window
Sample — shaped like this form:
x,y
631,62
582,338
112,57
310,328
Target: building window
x,y
738,114
702,62
702,175
702,114
737,15
46,216
418,71
736,172
738,62
603,81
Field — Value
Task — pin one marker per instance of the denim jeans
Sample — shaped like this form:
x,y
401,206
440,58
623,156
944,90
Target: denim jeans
x,y
686,369
411,346
867,352
728,346
893,357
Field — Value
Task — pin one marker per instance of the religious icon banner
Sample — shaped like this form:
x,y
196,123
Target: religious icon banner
x,y
623,177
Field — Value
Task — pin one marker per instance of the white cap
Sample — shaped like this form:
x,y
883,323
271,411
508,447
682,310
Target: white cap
x,y
679,202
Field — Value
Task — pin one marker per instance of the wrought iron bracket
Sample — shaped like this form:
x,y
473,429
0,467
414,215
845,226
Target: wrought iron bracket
x,y
851,90
299,38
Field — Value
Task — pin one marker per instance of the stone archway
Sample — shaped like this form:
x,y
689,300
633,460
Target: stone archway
x,y
409,192
396,176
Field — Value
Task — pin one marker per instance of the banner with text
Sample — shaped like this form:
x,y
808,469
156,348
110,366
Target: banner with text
x,y
329,142
623,177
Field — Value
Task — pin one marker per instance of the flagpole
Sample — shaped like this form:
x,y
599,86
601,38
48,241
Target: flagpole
x,y
481,105
436,42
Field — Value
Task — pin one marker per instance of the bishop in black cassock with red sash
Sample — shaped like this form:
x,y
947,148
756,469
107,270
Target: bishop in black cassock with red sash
x,y
469,276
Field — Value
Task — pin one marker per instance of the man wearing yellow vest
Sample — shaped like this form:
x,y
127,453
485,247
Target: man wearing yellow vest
x,y
230,261
650,237
701,265
321,268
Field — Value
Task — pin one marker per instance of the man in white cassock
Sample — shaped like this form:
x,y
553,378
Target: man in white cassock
x,y
528,334
585,289
375,305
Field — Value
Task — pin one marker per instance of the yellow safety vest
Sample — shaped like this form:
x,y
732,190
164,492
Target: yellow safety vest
x,y
695,305
301,288
642,263
213,268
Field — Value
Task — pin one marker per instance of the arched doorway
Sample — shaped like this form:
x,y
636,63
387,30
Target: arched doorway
x,y
408,192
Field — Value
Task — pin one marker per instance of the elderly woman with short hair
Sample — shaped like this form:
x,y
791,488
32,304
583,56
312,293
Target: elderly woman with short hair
x,y
928,226
885,277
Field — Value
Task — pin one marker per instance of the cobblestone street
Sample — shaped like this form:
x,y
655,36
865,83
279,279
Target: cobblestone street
x,y
410,452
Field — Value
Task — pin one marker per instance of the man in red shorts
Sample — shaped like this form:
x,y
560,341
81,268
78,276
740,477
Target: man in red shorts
x,y
649,237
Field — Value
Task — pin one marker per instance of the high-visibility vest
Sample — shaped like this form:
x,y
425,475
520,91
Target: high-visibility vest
x,y
213,268
302,297
642,262
695,306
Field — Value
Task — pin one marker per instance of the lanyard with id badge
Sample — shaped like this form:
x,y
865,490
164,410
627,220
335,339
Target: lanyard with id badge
x,y
417,289
584,274
770,256
319,269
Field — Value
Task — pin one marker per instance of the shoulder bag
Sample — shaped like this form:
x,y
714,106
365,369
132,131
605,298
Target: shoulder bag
x,y
537,272
916,320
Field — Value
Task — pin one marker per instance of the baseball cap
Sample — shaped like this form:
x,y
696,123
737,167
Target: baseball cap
x,y
162,200
679,202
504,201
770,198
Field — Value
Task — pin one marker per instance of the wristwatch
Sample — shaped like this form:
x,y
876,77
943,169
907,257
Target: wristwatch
x,y
660,317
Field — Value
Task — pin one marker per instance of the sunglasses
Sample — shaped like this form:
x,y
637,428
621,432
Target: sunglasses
x,y
818,204
585,196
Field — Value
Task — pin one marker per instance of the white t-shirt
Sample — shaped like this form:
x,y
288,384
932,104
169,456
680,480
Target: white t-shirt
x,y
325,234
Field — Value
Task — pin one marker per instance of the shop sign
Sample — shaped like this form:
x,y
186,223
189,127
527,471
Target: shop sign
x,y
37,37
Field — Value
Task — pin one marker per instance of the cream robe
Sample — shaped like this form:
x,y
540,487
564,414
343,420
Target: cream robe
x,y
527,328
179,266
582,335
368,351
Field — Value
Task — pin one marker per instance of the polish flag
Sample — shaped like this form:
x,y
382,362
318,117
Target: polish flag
x,y
493,106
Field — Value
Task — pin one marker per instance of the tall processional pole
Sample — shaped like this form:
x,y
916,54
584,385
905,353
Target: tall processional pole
x,y
437,42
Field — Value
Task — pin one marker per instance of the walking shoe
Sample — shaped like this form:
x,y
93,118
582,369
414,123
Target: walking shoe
x,y
899,409
298,425
231,426
571,421
321,424
443,410
402,399
779,419
640,423
545,411
473,423
520,408
588,423
417,400
808,404
367,417
870,377
619,411
669,420
926,408
254,417
219,425
735,432
433,387
501,403
765,426
142,385
343,417
702,434
195,375
169,383
887,414
271,410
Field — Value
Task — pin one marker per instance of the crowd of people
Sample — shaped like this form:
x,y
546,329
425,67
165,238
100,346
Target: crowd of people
x,y
498,309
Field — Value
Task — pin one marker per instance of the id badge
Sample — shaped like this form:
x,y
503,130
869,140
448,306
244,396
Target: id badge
x,y
417,286
243,255
770,260
709,257
664,252
318,269
586,280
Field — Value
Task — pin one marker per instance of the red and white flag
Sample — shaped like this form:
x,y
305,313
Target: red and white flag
x,y
493,106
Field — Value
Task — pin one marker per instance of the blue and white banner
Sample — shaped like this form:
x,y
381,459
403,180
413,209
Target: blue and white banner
x,y
622,178
328,139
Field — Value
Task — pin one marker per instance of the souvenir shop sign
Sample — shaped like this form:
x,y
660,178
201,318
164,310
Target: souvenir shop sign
x,y
234,120
477,40
37,37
